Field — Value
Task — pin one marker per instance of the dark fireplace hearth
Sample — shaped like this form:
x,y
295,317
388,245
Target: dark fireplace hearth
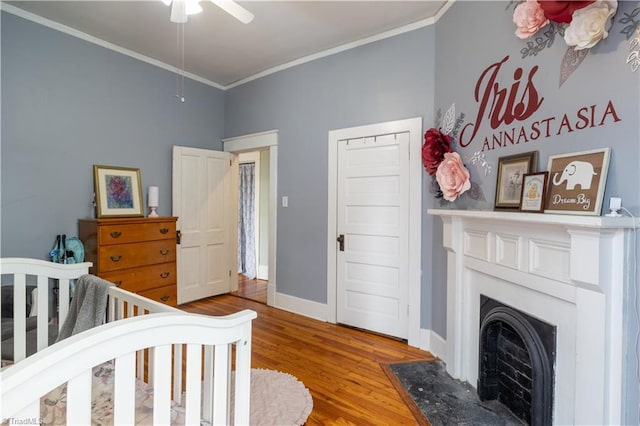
x,y
517,357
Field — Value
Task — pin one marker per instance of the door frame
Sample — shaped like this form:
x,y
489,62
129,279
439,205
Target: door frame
x,y
414,127
258,142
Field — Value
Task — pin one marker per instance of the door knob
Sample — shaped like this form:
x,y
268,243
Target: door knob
x,y
340,240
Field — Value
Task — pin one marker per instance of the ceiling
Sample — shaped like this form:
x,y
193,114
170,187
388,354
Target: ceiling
x,y
220,49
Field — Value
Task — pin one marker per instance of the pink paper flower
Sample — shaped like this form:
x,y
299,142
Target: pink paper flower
x,y
529,18
452,176
562,11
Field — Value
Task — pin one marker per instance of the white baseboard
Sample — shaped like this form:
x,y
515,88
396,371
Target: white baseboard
x,y
263,272
434,343
302,307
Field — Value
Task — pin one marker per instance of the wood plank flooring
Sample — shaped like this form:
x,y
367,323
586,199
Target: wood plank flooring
x,y
339,365
253,289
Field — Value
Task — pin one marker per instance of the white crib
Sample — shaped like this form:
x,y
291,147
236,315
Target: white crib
x,y
186,358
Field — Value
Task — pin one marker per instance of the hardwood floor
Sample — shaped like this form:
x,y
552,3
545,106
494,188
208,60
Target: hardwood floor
x,y
252,289
339,365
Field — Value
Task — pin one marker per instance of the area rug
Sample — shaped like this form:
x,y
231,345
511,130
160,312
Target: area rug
x,y
278,398
435,398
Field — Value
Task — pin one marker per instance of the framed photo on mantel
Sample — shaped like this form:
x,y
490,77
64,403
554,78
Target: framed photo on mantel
x,y
511,170
534,189
577,182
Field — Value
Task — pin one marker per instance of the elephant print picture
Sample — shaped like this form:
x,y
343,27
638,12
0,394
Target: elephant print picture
x,y
577,182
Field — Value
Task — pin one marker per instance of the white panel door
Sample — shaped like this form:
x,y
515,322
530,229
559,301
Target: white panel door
x,y
373,204
203,203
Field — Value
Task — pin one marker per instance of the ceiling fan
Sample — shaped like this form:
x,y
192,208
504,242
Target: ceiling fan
x,y
181,9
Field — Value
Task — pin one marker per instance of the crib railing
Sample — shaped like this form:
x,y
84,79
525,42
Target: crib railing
x,y
124,304
71,361
144,337
41,272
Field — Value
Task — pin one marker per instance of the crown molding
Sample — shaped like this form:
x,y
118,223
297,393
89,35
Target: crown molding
x,y
102,43
334,50
342,48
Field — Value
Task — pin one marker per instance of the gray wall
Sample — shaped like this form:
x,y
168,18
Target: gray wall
x,y
487,36
68,104
387,80
473,35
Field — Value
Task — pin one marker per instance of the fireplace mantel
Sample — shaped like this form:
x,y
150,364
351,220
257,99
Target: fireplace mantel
x,y
601,222
566,270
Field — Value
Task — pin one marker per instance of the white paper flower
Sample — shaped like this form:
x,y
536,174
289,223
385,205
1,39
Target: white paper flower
x,y
590,24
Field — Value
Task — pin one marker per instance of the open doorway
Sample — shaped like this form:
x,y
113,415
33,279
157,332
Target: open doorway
x,y
253,223
263,141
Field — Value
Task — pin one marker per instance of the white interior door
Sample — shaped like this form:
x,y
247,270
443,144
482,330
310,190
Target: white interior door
x,y
373,217
207,217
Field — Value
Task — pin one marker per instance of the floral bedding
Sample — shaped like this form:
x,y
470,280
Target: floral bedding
x,y
53,406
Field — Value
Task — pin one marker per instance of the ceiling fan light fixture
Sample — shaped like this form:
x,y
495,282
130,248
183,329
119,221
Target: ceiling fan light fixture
x,y
181,9
178,12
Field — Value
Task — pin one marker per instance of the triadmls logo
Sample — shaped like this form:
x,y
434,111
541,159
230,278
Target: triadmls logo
x,y
505,107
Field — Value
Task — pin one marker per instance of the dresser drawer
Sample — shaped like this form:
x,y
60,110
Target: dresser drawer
x,y
143,277
122,256
167,295
130,233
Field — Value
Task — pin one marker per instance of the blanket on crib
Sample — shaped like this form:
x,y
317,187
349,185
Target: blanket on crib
x,y
53,406
88,306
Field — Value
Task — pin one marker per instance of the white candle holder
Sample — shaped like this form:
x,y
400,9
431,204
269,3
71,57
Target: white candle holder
x,y
152,200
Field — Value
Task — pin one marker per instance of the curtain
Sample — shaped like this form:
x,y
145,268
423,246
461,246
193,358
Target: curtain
x,y
246,222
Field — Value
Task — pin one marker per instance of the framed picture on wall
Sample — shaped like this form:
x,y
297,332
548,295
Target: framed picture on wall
x,y
511,170
534,189
577,182
118,191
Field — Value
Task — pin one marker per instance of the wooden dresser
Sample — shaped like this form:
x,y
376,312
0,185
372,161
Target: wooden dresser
x,y
136,254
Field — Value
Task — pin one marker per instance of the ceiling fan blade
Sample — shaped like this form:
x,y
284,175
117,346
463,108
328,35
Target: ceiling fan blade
x,y
235,10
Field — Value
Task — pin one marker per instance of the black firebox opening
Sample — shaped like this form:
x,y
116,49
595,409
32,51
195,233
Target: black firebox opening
x,y
516,364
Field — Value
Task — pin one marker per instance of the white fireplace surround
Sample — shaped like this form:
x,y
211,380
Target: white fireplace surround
x,y
565,270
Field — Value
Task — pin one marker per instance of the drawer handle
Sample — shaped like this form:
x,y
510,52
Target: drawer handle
x,y
115,234
164,230
115,258
118,283
164,252
164,298
164,275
